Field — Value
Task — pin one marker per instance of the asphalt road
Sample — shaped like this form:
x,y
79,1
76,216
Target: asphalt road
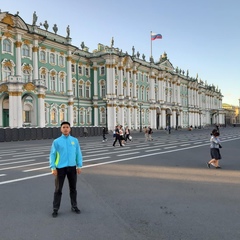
x,y
158,190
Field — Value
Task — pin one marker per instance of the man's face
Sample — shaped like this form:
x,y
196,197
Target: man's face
x,y
65,129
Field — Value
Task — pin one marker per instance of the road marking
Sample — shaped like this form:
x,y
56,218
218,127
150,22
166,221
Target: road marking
x,y
10,163
96,159
20,166
124,154
114,161
153,150
35,169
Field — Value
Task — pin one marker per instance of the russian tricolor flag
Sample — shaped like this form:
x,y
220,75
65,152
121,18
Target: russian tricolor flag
x,y
155,36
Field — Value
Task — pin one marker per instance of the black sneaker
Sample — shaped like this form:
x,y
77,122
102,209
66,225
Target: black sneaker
x,y
55,213
209,165
76,210
218,167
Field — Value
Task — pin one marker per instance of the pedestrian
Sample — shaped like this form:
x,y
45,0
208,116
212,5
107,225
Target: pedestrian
x,y
121,133
65,160
214,150
169,129
104,134
85,132
127,134
117,137
150,131
146,133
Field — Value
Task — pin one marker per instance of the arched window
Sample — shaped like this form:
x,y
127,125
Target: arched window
x,y
102,72
87,90
73,68
80,89
74,89
25,51
7,46
61,61
62,87
26,75
53,116
42,56
52,58
53,83
6,72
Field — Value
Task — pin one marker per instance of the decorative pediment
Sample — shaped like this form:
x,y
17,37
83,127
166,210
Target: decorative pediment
x,y
166,65
13,20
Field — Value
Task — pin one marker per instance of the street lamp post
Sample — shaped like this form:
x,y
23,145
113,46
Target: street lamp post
x,y
107,116
140,104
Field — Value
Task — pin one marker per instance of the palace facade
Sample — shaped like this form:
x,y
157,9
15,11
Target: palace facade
x,y
45,80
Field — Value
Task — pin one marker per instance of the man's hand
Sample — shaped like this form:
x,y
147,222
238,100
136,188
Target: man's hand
x,y
79,170
54,172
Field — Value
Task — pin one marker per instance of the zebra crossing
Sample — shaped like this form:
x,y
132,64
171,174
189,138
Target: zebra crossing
x,y
23,161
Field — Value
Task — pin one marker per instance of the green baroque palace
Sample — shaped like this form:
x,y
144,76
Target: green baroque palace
x,y
45,80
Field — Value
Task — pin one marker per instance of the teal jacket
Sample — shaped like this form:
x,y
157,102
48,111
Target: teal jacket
x,y
65,152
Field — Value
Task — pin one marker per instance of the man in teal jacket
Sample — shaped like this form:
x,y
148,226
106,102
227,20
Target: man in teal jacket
x,y
65,160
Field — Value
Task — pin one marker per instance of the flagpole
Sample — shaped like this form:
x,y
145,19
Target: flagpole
x,y
151,42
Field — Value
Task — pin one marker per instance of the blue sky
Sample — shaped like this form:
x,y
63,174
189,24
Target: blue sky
x,y
200,36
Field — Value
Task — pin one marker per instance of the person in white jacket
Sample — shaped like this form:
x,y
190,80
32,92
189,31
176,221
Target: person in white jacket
x,y
214,150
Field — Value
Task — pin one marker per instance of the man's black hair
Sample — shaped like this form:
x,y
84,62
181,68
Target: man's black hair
x,y
65,122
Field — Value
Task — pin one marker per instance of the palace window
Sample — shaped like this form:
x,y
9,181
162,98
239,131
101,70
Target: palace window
x,y
86,71
6,73
62,87
74,89
52,58
25,51
53,83
73,68
42,56
102,71
53,116
61,61
7,45
87,91
80,70
103,90
80,90
26,75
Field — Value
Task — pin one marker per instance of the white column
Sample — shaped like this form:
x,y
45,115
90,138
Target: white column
x,y
15,110
41,110
174,118
134,85
35,60
18,45
69,90
135,114
128,82
95,82
120,84
96,111
163,118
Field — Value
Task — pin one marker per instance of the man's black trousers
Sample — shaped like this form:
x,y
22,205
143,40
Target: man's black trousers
x,y
71,174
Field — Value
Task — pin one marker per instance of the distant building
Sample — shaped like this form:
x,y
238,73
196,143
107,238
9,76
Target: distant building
x,y
45,80
232,114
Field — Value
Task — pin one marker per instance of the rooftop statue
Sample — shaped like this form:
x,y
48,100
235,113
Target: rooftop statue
x,y
112,42
35,17
46,25
68,31
55,28
133,51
